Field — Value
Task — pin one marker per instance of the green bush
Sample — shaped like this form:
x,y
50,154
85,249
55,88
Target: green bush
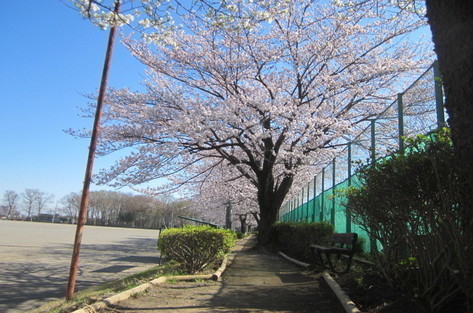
x,y
409,203
195,247
294,238
241,235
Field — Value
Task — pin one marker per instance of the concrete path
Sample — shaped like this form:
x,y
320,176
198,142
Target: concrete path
x,y
253,282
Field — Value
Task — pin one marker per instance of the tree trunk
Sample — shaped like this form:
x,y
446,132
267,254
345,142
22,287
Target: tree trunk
x,y
451,22
268,215
243,224
270,199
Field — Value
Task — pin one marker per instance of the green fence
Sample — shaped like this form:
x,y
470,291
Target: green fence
x,y
417,110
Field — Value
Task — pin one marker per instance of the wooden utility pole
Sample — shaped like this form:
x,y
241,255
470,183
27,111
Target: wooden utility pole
x,y
90,162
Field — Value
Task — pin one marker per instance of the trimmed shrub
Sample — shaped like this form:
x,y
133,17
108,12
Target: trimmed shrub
x,y
195,247
241,235
409,203
294,238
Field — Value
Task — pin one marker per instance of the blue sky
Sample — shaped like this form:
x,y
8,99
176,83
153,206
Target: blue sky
x,y
50,58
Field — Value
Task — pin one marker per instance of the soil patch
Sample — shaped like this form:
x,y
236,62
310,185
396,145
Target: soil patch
x,y
372,294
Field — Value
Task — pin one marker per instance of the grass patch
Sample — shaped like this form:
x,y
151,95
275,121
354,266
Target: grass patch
x,y
100,292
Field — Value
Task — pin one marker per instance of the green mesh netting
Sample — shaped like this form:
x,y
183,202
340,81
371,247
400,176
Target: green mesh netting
x,y
417,110
329,206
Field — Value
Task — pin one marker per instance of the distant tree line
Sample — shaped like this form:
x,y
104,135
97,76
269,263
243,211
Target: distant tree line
x,y
106,208
26,205
111,208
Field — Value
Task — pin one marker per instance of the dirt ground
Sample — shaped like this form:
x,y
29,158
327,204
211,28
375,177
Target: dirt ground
x,y
253,282
372,294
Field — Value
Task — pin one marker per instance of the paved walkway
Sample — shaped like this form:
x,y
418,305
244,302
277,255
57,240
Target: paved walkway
x,y
253,282
35,259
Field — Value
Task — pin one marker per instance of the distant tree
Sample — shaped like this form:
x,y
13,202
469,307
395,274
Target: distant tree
x,y
34,199
42,200
168,210
105,206
10,199
30,198
70,205
136,211
112,208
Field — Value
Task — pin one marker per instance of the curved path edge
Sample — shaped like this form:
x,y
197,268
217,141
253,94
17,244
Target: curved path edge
x,y
110,301
345,301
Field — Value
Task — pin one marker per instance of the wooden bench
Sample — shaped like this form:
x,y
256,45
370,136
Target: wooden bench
x,y
341,244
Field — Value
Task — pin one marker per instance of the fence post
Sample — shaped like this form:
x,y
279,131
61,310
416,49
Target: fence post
x,y
287,209
315,191
348,216
299,213
373,161
294,210
400,117
439,96
302,204
281,211
307,205
332,211
322,201
373,142
291,210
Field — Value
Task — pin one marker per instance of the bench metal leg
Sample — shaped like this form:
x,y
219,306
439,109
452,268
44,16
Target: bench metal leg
x,y
327,263
347,269
318,259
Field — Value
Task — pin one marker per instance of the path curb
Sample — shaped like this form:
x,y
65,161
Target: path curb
x,y
345,301
216,276
303,264
110,301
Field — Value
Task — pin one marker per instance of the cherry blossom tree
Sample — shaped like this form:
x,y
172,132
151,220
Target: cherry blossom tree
x,y
136,14
265,88
220,189
224,186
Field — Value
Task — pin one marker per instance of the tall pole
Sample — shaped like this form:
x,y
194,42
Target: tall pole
x,y
439,96
90,162
228,217
400,114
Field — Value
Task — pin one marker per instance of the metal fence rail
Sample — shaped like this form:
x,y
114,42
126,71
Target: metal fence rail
x,y
417,110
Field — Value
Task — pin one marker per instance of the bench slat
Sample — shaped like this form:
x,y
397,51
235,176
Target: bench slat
x,y
346,238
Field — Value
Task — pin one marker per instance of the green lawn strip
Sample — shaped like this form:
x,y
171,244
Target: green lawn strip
x,y
102,291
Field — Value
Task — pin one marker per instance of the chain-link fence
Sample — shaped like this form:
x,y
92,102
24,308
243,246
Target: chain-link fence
x,y
418,110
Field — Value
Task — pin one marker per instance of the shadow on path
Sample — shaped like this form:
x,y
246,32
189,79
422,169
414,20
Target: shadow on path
x,y
254,282
42,273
